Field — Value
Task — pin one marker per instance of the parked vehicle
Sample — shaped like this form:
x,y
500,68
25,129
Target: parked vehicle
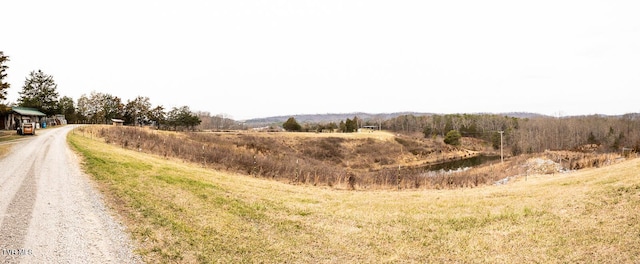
x,y
26,127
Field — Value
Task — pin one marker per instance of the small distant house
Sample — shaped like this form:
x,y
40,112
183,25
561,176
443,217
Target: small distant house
x,y
17,115
117,122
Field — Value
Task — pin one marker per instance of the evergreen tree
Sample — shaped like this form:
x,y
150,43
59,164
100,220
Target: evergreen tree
x,y
111,107
4,86
495,140
592,138
67,108
137,111
291,125
331,126
39,91
351,126
157,115
182,117
427,131
452,138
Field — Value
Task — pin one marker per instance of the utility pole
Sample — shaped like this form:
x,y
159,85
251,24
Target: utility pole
x,y
501,152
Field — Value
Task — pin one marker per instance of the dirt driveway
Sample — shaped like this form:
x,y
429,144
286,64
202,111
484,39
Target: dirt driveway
x,y
49,210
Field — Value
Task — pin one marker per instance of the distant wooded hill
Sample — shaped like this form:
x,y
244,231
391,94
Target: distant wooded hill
x,y
336,118
522,132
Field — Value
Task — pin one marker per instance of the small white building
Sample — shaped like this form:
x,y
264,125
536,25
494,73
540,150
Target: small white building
x,y
117,122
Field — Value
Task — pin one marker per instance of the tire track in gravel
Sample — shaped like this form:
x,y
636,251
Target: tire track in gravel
x,y
16,220
17,217
15,223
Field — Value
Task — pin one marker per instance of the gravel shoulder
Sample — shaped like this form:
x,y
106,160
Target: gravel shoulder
x,y
50,212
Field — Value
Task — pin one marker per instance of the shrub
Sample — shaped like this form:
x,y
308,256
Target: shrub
x,y
453,138
292,125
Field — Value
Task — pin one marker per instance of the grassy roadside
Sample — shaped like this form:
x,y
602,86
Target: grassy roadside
x,y
178,212
4,137
9,138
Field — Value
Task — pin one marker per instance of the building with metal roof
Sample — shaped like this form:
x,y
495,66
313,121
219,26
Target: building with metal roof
x,y
16,115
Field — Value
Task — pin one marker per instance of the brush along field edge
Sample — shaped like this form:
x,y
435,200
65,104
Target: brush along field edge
x,y
179,212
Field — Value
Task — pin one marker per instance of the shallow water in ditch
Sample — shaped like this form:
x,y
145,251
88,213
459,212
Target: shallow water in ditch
x,y
462,163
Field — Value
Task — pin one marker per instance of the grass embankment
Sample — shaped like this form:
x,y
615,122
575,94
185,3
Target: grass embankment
x,y
6,138
376,160
178,212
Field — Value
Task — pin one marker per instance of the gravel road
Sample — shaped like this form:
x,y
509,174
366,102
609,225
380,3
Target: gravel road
x,y
50,211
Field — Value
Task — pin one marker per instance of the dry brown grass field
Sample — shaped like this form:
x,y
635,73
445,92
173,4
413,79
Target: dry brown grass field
x,y
377,160
180,212
379,135
341,160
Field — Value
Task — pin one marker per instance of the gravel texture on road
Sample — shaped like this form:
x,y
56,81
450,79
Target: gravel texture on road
x,y
50,211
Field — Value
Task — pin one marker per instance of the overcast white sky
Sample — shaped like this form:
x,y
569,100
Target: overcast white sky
x,y
262,58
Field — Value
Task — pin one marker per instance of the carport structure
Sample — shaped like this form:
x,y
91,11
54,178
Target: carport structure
x,y
17,114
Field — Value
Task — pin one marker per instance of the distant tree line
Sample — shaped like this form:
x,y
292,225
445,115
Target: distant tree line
x,y
40,92
102,108
219,122
520,135
346,126
529,135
